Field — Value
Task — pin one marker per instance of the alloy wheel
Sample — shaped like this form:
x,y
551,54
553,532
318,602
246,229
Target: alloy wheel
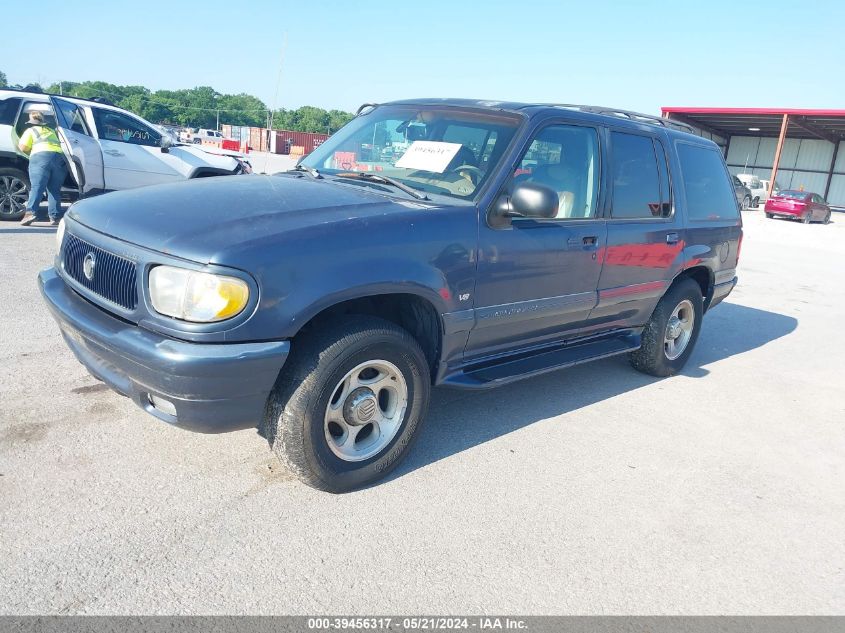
x,y
13,195
679,329
366,410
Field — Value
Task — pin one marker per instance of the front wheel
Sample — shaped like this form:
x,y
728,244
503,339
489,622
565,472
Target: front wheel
x,y
756,202
827,218
746,203
349,404
670,334
806,218
771,216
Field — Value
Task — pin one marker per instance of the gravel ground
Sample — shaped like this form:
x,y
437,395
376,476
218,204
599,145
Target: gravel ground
x,y
596,490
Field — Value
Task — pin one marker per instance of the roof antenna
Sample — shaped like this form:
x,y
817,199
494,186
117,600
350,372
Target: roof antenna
x,y
275,99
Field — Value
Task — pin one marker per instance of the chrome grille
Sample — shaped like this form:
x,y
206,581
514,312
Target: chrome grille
x,y
113,278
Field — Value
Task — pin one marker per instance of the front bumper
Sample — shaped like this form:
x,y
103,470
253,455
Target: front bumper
x,y
213,387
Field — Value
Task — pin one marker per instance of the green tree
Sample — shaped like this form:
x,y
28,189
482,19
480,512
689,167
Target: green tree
x,y
3,81
199,107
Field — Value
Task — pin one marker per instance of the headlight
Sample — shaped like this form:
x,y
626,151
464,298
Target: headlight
x,y
60,235
194,296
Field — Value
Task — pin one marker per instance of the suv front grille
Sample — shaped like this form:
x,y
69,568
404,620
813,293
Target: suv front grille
x,y
113,276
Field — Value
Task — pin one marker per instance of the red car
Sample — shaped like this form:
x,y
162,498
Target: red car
x,y
799,205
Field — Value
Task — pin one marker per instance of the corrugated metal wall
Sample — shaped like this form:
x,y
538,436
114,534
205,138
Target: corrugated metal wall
x,y
803,163
837,183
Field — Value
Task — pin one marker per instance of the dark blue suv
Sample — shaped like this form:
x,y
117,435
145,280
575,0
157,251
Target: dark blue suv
x,y
428,242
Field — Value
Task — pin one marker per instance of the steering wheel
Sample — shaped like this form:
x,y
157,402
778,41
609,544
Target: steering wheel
x,y
472,169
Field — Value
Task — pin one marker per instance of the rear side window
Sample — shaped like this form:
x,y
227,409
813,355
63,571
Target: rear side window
x,y
636,178
710,194
8,110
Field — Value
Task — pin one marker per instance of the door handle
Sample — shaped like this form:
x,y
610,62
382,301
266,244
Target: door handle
x,y
672,238
588,240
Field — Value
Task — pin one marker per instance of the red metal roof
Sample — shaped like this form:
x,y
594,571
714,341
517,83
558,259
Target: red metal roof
x,y
753,111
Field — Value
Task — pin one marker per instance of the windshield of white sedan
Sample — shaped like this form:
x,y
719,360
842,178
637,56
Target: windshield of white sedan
x,y
446,151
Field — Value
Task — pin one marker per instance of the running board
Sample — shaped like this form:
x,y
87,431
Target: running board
x,y
510,369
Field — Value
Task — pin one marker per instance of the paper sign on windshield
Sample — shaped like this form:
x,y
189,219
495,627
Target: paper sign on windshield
x,y
429,155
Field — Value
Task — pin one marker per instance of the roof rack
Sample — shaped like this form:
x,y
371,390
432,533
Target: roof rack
x,y
364,106
626,114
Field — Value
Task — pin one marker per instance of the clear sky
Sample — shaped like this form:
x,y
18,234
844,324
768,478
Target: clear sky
x,y
634,55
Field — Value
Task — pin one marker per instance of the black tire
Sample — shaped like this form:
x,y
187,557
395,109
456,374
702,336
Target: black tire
x,y
746,203
9,179
770,216
806,218
827,218
651,358
196,141
756,202
294,423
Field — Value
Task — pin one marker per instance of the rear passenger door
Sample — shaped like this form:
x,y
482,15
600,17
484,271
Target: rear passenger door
x,y
80,146
645,237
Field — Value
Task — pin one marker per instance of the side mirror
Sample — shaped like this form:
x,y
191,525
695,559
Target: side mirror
x,y
165,143
528,200
532,200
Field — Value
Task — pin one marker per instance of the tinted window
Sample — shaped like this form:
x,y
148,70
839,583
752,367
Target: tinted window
x,y
115,126
565,158
636,182
708,189
8,110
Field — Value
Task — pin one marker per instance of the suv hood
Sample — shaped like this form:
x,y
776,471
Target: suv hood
x,y
209,219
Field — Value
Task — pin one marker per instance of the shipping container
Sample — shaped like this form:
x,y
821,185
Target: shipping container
x,y
284,141
261,139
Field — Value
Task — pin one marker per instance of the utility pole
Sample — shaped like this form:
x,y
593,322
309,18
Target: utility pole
x,y
218,120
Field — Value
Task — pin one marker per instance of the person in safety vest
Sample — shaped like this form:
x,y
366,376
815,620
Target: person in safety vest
x,y
47,169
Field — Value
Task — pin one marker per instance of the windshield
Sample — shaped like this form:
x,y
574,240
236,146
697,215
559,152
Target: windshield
x,y
448,151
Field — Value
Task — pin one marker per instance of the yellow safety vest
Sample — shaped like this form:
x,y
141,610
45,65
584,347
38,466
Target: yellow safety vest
x,y
40,138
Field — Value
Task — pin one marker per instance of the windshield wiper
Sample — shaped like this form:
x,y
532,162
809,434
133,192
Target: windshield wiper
x,y
387,180
311,171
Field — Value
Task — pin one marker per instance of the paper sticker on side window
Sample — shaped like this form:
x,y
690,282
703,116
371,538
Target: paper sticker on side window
x,y
431,156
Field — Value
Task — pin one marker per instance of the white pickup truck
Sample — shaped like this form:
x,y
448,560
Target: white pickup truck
x,y
189,136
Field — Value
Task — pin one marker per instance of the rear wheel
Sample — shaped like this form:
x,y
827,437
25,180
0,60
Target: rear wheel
x,y
756,202
746,202
670,334
807,218
14,191
348,405
770,216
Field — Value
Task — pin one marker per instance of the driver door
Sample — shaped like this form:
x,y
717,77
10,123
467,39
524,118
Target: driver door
x,y
537,279
132,153
85,160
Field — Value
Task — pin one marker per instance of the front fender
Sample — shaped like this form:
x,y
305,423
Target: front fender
x,y
336,284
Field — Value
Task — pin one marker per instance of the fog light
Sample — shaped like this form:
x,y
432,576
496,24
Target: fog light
x,y
165,406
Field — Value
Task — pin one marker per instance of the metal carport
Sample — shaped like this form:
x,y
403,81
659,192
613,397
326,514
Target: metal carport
x,y
797,148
